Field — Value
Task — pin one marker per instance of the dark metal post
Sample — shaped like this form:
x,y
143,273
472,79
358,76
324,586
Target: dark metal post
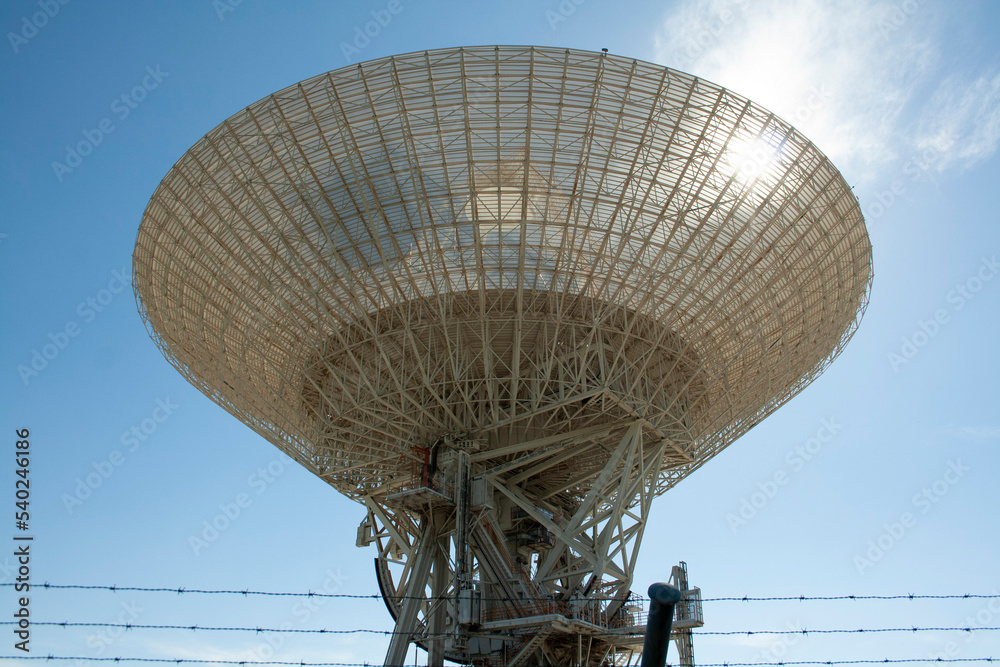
x,y
662,598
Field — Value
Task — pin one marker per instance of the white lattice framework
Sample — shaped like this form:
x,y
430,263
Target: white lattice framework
x,y
574,276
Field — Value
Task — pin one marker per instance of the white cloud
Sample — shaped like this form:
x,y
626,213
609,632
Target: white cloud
x,y
870,62
264,646
194,649
962,120
975,433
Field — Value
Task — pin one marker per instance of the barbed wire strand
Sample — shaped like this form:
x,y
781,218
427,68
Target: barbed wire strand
x,y
258,630
375,596
367,664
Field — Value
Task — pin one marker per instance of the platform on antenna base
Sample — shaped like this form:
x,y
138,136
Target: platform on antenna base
x,y
420,498
688,612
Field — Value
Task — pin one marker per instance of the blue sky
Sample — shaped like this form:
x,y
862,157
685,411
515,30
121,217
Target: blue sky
x,y
887,463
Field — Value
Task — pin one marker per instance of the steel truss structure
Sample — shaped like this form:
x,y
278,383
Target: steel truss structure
x,y
503,297
494,574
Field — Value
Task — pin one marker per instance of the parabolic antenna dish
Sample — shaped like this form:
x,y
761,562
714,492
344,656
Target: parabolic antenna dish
x,y
525,254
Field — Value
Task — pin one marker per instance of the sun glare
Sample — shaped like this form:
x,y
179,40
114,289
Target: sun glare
x,y
751,157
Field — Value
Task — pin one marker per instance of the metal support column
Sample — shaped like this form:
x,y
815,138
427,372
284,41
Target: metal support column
x,y
688,615
406,624
462,483
437,624
463,582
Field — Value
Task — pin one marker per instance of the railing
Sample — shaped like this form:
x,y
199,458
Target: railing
x,y
581,611
420,479
628,619
688,612
526,609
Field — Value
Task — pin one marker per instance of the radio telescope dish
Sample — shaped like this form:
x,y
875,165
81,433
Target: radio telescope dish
x,y
503,297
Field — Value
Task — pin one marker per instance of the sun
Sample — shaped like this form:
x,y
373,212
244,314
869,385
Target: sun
x,y
750,157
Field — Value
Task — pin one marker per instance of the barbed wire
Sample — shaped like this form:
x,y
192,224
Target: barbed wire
x,y
178,661
805,631
258,630
375,596
906,596
212,628
848,662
